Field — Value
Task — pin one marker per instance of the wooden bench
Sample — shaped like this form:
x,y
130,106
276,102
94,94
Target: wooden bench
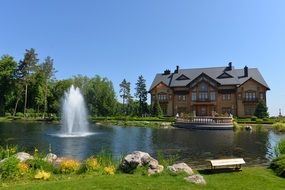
x,y
237,162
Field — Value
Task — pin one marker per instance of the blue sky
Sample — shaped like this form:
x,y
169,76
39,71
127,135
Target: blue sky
x,y
121,39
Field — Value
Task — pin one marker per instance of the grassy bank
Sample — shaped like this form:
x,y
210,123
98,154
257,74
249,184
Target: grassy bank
x,y
249,178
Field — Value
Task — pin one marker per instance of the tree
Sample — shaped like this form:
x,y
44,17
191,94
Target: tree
x,y
156,109
48,72
26,69
7,69
125,89
141,94
261,110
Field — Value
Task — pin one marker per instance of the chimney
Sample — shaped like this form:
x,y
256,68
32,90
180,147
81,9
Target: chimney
x,y
230,67
166,72
177,69
245,71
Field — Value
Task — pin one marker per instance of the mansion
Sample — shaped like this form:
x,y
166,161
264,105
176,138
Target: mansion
x,y
204,91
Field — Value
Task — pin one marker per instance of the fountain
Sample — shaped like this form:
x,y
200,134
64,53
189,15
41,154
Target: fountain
x,y
74,114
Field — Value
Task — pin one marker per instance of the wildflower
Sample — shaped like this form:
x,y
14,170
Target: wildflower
x,y
41,174
23,168
69,166
110,170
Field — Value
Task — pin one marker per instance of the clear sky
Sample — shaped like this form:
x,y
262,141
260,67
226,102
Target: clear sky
x,y
121,39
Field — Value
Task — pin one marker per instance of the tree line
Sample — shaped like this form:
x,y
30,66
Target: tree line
x,y
29,87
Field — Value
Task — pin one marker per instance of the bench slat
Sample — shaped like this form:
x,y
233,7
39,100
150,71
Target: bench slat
x,y
227,162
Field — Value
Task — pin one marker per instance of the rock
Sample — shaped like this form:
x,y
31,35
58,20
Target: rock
x,y
197,179
181,167
57,162
157,170
153,164
50,157
136,159
23,156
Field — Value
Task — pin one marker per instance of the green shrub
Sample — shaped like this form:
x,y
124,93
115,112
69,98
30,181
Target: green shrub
x,y
280,147
8,115
91,164
166,161
236,126
279,126
253,118
39,164
278,165
9,168
19,114
8,151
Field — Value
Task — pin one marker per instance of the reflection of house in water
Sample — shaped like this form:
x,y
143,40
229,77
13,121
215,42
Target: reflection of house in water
x,y
126,140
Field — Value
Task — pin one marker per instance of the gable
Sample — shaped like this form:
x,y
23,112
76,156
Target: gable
x,y
224,75
203,77
182,77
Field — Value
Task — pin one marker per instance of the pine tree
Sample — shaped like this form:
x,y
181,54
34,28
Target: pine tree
x,y
156,109
125,89
261,110
141,94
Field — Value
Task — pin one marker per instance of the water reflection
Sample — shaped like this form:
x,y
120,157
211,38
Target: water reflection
x,y
192,146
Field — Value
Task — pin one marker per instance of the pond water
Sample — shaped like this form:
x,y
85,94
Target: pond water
x,y
191,146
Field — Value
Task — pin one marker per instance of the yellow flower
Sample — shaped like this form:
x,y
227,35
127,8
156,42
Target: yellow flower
x,y
69,166
92,164
110,170
41,174
23,168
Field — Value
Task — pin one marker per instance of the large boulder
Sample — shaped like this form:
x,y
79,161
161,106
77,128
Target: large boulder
x,y
23,156
50,157
181,167
137,159
197,179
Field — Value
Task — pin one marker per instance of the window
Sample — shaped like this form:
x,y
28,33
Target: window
x,y
162,97
226,96
212,96
194,98
203,87
182,98
203,96
250,96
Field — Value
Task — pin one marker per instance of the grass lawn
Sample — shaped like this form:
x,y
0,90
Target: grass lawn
x,y
249,178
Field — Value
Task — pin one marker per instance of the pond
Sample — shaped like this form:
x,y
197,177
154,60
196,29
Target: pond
x,y
191,146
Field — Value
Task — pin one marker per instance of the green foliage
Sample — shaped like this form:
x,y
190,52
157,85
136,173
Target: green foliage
x,y
19,114
125,89
279,126
280,147
156,109
9,168
236,126
261,110
7,69
278,165
141,94
7,151
39,163
166,161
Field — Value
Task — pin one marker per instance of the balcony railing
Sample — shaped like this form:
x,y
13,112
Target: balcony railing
x,y
250,99
206,120
203,100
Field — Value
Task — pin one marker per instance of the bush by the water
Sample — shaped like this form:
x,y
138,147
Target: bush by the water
x,y
279,126
278,165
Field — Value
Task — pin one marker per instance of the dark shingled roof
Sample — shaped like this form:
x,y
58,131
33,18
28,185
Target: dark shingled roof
x,y
220,74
